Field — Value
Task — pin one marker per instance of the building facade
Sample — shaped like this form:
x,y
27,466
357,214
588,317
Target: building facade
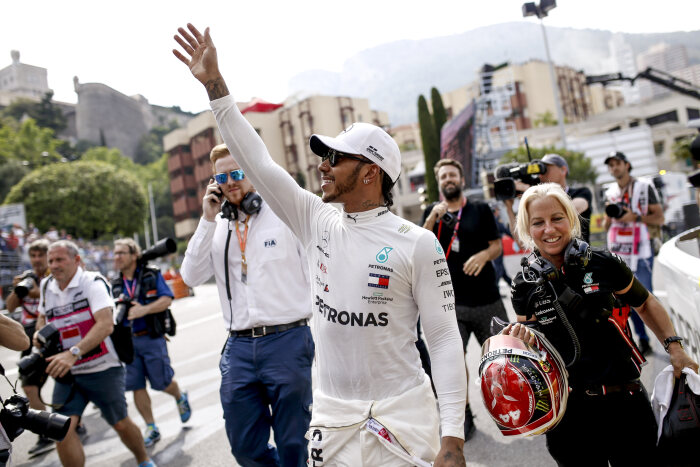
x,y
285,129
106,117
19,80
532,101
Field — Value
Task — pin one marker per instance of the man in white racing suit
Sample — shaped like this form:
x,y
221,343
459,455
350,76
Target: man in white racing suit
x,y
374,275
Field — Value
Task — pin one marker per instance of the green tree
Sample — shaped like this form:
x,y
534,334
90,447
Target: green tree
x,y
49,115
155,174
27,142
88,199
580,168
45,112
11,173
151,145
681,150
439,114
431,148
545,119
18,109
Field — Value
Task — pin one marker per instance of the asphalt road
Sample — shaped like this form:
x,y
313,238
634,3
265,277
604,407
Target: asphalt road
x,y
202,442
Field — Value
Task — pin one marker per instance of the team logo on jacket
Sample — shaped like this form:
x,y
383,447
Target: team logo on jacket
x,y
378,280
323,247
438,247
404,228
588,285
270,243
383,254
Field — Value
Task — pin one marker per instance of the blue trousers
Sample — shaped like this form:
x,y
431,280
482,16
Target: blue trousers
x,y
645,268
266,383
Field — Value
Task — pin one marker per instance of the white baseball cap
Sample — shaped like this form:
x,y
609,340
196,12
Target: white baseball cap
x,y
364,139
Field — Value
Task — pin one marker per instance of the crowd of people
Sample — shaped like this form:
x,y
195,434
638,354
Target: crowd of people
x,y
14,252
375,275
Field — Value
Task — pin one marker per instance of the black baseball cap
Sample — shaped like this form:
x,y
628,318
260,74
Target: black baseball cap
x,y
619,156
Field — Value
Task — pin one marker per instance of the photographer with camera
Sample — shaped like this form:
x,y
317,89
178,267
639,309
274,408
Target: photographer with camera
x,y
632,206
26,295
16,416
76,307
579,299
143,291
552,168
468,234
262,277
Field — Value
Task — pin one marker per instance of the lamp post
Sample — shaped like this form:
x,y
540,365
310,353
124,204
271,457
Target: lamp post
x,y
541,10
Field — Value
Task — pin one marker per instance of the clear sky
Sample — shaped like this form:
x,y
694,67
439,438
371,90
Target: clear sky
x,y
262,43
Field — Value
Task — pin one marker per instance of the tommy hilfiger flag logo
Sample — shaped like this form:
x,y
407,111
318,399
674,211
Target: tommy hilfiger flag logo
x,y
378,280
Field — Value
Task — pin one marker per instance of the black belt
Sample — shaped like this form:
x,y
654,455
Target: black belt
x,y
604,389
265,330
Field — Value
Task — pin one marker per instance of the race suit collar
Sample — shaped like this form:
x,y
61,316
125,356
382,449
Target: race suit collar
x,y
364,217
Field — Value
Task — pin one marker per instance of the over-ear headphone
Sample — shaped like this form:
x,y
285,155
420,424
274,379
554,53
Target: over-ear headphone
x,y
577,254
250,204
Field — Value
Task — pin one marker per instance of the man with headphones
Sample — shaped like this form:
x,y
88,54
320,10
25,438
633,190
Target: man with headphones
x,y
262,279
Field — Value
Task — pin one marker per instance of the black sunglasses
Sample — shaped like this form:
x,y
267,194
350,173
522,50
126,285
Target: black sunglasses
x,y
332,157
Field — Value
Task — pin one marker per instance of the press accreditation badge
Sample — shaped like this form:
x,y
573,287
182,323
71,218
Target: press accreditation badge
x,y
455,245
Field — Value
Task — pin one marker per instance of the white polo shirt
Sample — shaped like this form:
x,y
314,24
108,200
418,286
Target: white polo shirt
x,y
71,310
277,289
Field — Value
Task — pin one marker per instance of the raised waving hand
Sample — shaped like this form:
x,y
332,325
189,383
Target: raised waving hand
x,y
202,61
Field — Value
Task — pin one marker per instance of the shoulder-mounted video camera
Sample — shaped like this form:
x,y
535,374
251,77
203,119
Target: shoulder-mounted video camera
x,y
506,175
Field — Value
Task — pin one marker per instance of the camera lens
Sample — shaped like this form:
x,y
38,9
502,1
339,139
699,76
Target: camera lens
x,y
52,425
614,210
23,287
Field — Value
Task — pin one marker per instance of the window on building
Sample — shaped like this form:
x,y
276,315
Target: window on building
x,y
188,170
658,148
634,123
191,193
662,118
692,113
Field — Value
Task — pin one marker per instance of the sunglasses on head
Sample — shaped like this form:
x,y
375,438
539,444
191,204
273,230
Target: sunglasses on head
x,y
236,175
332,156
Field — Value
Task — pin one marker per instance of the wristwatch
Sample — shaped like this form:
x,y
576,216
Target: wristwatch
x,y
75,351
669,340
639,218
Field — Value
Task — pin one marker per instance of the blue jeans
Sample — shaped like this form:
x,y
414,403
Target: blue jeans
x,y
645,268
266,383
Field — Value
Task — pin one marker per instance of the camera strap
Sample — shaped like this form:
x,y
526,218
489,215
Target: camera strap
x,y
454,232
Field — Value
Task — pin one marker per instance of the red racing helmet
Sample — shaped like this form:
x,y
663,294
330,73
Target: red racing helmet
x,y
524,388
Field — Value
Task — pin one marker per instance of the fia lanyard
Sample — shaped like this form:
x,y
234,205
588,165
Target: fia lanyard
x,y
454,232
242,243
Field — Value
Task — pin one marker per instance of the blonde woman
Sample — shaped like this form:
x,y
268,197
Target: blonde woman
x,y
580,299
